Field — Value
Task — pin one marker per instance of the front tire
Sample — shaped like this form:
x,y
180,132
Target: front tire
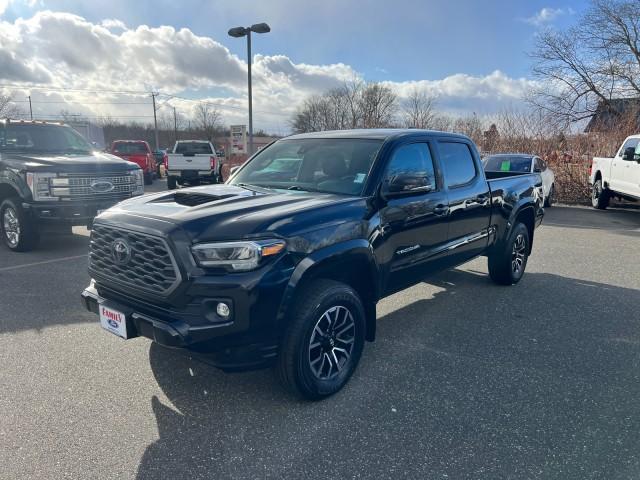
x,y
324,341
599,196
19,232
507,266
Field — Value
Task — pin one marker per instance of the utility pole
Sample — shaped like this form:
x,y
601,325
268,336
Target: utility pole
x,y
30,108
175,123
155,119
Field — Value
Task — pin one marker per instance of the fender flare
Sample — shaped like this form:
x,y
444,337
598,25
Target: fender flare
x,y
346,251
12,179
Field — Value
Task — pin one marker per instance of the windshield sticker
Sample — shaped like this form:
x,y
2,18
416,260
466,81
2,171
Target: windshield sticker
x,y
505,166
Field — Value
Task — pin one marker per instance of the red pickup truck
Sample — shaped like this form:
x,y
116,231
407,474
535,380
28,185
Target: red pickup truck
x,y
139,152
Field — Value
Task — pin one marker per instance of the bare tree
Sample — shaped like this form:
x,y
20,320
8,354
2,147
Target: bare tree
x,y
418,109
379,105
584,68
208,119
7,107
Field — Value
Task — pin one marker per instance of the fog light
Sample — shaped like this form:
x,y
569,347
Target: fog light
x,y
223,310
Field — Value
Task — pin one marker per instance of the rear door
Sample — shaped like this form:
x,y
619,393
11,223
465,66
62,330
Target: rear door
x,y
469,199
413,229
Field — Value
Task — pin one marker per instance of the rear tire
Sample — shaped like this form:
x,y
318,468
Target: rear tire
x,y
148,178
507,265
171,183
323,343
600,196
19,232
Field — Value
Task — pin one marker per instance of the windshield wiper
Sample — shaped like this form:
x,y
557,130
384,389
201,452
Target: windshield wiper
x,y
298,188
250,186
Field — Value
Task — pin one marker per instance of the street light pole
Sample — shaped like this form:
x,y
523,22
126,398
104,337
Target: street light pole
x,y
250,95
238,32
30,108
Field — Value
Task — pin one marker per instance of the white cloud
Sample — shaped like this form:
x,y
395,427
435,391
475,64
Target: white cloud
x,y
63,50
113,24
547,15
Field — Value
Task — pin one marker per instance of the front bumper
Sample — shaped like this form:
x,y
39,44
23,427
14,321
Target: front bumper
x,y
70,213
247,339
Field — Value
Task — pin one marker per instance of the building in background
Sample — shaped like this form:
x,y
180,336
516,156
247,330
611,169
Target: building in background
x,y
90,131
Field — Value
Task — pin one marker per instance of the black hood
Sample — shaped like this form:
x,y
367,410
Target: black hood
x,y
94,162
227,212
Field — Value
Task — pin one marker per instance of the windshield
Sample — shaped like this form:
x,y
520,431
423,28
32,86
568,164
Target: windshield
x,y
194,147
130,148
322,165
506,163
38,138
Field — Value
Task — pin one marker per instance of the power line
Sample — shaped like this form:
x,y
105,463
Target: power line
x,y
65,89
126,92
81,103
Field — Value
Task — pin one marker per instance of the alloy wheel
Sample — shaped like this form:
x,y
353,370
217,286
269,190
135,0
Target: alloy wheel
x,y
518,254
11,226
331,343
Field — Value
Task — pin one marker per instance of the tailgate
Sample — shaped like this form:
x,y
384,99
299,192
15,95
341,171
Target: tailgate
x,y
179,161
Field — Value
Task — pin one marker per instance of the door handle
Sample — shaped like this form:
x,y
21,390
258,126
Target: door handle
x,y
441,209
479,200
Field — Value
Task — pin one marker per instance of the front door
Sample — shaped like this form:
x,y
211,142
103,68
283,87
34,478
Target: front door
x,y
413,228
622,171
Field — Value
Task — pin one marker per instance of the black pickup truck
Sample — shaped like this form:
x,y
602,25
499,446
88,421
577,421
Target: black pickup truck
x,y
51,179
284,264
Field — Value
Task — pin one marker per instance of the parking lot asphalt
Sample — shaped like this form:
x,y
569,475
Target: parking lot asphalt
x,y
466,379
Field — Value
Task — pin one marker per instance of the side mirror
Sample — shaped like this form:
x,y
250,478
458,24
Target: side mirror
x,y
629,153
406,184
537,170
233,170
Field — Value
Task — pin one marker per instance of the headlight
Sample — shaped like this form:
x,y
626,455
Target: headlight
x,y
39,184
139,177
239,256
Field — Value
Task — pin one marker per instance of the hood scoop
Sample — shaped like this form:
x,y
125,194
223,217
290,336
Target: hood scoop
x,y
193,199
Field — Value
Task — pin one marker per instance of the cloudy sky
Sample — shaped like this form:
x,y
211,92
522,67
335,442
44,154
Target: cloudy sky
x,y
470,53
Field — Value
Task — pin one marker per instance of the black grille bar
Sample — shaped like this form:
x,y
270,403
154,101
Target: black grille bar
x,y
149,268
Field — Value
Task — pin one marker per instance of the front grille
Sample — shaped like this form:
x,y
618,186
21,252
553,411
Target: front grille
x,y
149,267
81,186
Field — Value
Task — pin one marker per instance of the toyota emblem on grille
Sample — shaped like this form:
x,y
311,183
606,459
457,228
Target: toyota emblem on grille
x,y
120,251
101,186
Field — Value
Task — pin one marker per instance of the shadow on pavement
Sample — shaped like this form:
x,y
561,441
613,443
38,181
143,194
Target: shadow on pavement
x,y
621,221
534,381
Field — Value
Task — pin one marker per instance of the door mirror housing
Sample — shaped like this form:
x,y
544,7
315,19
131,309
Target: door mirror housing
x,y
629,153
406,184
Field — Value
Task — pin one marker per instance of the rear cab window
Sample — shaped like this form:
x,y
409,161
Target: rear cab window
x,y
131,148
457,162
194,148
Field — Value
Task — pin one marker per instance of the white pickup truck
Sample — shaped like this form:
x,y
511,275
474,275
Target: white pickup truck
x,y
193,162
618,176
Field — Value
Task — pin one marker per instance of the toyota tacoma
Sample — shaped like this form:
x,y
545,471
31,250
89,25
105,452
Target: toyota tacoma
x,y
284,264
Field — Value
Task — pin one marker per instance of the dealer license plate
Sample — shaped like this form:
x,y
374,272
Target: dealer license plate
x,y
113,321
